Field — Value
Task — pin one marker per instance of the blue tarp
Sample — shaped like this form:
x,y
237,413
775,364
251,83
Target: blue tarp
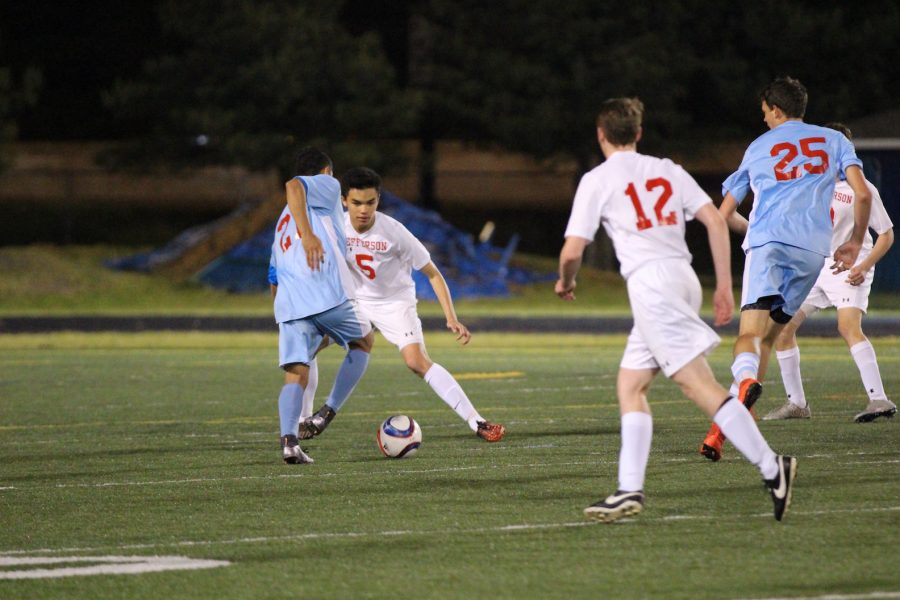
x,y
472,270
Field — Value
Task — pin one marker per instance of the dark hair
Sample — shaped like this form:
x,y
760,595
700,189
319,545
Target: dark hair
x,y
360,178
312,161
842,128
788,94
620,119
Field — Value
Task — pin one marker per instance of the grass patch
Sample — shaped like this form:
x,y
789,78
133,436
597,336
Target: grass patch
x,y
165,444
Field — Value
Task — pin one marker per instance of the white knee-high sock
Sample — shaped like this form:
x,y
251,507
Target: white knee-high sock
x,y
447,388
745,366
738,425
864,356
309,393
789,361
637,432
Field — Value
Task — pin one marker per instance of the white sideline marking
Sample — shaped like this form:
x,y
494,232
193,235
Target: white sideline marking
x,y
838,596
106,565
301,537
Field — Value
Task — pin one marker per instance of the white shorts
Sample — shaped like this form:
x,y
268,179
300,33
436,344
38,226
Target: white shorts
x,y
668,333
397,321
833,290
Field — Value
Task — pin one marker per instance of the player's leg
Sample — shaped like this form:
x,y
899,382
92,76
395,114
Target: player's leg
x,y
850,328
634,451
788,354
347,327
698,383
448,389
297,342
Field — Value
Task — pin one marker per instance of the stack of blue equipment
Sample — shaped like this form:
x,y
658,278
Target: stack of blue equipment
x,y
472,270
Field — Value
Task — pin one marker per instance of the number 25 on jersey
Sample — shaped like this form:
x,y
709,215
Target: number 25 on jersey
x,y
650,185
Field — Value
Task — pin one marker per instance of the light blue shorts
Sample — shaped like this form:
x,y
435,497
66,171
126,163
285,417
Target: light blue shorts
x,y
784,272
298,340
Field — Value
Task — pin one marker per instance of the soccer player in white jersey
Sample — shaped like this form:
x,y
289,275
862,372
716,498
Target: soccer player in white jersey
x,y
791,170
643,203
381,254
849,294
311,300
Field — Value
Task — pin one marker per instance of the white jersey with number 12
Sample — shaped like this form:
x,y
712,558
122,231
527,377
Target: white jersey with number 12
x,y
642,202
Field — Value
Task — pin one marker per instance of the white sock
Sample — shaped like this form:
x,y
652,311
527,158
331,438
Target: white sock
x,y
745,366
309,394
789,361
637,431
445,386
864,356
738,425
734,390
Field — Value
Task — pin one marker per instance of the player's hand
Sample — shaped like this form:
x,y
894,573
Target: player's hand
x,y
565,291
462,332
857,275
315,253
845,256
723,306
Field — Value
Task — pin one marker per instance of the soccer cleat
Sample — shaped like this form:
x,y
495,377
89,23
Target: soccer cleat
x,y
490,432
749,392
782,486
316,424
788,411
621,504
291,452
711,447
875,410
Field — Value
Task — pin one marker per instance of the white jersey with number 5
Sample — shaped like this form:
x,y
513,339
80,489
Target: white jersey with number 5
x,y
842,203
642,202
381,259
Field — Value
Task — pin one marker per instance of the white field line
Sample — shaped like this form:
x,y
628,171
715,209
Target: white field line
x,y
511,528
311,472
868,596
104,565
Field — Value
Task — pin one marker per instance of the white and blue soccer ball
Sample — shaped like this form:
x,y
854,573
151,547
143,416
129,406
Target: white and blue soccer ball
x,y
399,436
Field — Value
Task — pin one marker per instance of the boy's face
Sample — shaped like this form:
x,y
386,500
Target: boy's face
x,y
769,115
361,206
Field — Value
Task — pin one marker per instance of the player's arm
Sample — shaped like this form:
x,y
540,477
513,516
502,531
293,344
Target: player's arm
x,y
735,220
296,201
720,247
569,263
439,285
884,242
847,253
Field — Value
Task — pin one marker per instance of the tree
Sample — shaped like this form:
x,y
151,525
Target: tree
x,y
12,99
248,82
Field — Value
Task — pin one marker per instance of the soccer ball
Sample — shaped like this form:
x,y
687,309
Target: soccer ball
x,y
399,436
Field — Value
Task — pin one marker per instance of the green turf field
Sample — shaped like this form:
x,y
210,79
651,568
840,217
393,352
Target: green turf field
x,y
162,445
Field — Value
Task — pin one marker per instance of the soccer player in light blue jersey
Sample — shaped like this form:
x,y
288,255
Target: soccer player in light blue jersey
x,y
311,300
791,170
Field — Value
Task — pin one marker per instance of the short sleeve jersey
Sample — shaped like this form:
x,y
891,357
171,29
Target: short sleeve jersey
x,y
381,259
303,292
842,204
791,170
643,203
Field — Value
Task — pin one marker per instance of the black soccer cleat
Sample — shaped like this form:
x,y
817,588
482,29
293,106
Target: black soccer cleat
x,y
316,424
782,486
619,505
749,392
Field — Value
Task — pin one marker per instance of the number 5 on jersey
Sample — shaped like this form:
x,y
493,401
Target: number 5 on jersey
x,y
361,262
651,184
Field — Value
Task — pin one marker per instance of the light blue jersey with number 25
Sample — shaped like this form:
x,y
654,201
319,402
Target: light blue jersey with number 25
x,y
791,170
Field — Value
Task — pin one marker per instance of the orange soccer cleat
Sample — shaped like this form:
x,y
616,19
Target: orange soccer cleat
x,y
490,432
711,447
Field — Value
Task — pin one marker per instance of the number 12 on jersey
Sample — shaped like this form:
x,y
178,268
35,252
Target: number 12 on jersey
x,y
651,184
